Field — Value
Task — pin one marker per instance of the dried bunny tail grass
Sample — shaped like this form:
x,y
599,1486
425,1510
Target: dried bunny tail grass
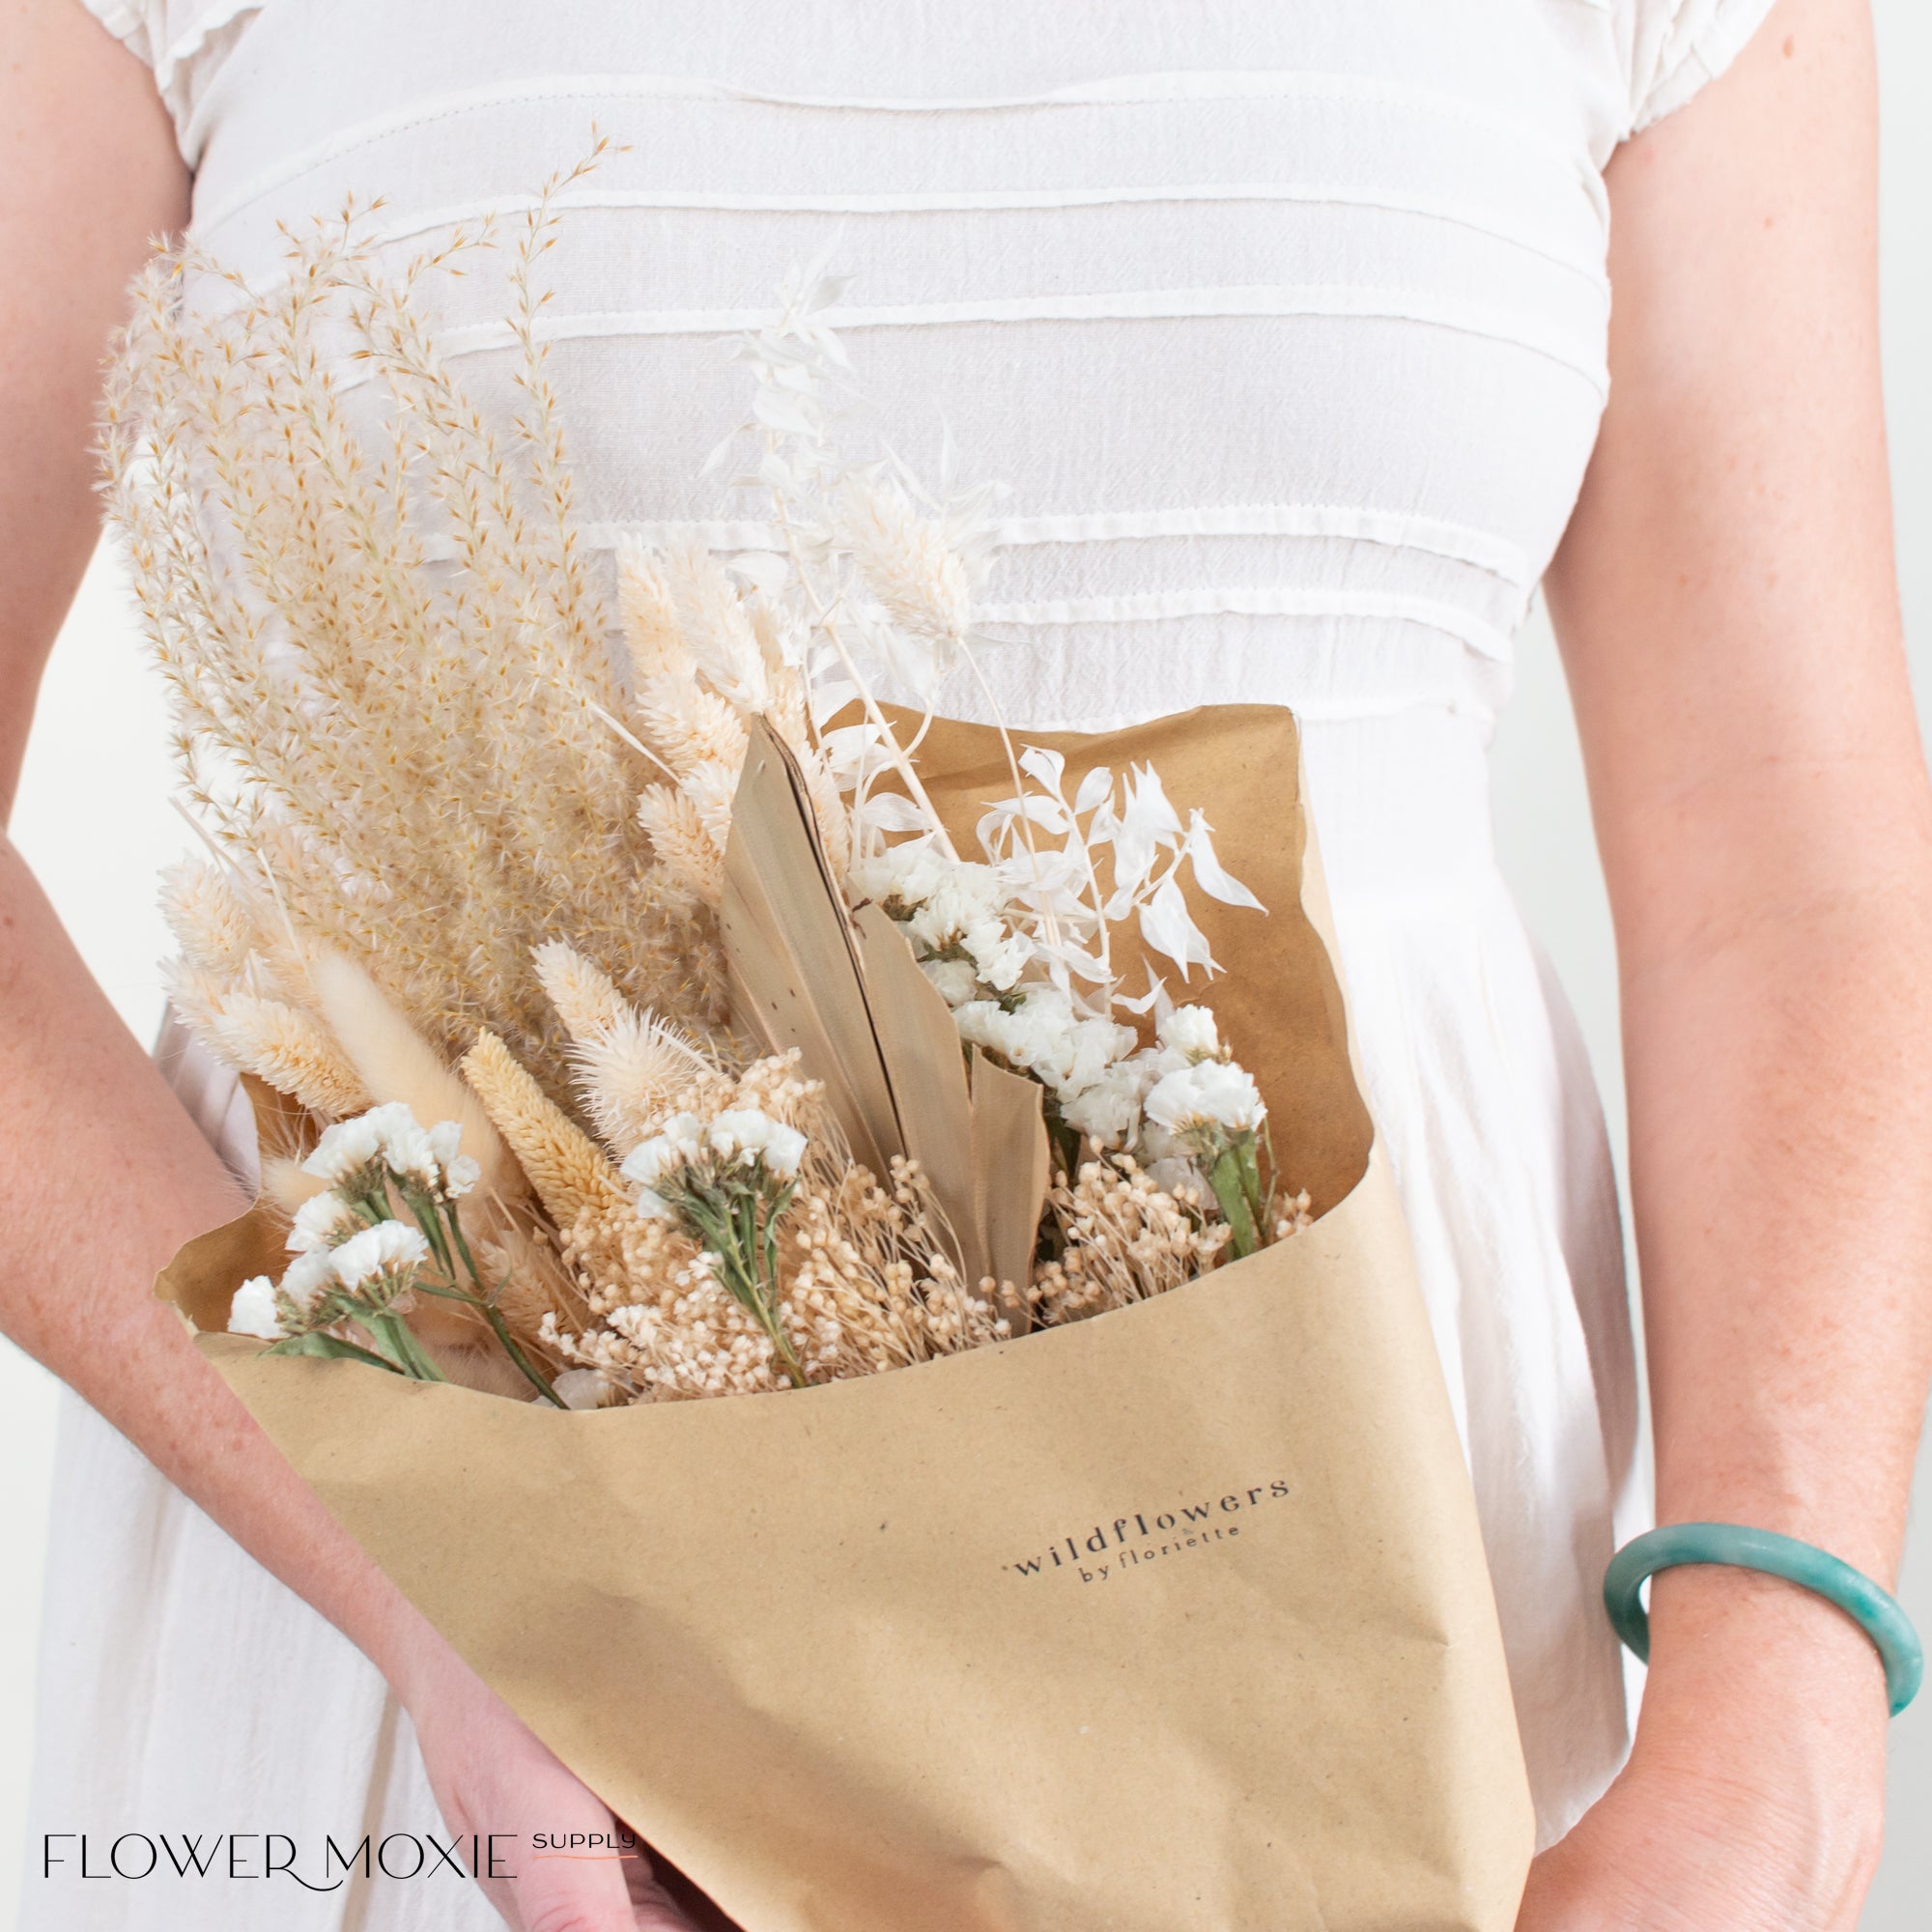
x,y
684,845
291,1050
287,1183
397,1063
564,1165
583,993
652,633
717,628
907,561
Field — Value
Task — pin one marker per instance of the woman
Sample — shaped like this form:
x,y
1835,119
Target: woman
x,y
1289,326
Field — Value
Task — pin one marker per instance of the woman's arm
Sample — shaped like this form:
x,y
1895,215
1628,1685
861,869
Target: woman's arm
x,y
1728,615
105,1173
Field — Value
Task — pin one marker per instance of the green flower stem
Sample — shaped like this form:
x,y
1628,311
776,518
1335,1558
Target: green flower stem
x,y
443,1229
1236,1186
527,1368
729,1223
499,1327
331,1347
462,1241
392,1335
379,1336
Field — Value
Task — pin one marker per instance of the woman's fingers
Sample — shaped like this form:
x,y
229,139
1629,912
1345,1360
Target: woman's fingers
x,y
655,1909
603,1893
577,1868
693,1908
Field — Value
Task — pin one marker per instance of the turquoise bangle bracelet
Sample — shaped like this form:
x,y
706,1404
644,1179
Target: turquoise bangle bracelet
x,y
1875,1610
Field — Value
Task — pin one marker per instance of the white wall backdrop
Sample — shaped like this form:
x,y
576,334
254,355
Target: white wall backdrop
x,y
100,712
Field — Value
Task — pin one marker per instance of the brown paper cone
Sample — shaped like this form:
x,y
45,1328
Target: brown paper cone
x,y
1173,1620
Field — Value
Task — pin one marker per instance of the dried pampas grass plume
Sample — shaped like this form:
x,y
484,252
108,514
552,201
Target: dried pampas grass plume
x,y
359,729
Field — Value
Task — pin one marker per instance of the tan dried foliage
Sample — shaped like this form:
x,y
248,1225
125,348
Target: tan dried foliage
x,y
385,653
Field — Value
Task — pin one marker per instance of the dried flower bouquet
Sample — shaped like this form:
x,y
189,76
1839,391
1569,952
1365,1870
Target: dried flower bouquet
x,y
618,947
637,1004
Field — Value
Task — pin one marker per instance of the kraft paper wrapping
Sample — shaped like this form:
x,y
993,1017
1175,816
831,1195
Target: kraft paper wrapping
x,y
1173,1620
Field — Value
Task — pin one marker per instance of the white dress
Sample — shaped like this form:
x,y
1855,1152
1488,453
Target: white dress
x,y
1285,321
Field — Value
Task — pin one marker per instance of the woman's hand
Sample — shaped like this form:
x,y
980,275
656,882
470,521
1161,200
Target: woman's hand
x,y
1753,1799
492,1774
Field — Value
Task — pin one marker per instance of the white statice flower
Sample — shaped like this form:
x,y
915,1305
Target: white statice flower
x,y
652,1204
999,956
346,1147
1214,1093
741,1136
408,1155
459,1173
676,1144
1045,1037
309,1277
901,879
252,1312
964,898
1093,1046
1190,1032
581,1388
320,1221
956,979
422,1157
1109,1111
948,907
385,1252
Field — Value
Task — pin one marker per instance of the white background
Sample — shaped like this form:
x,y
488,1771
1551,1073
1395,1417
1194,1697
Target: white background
x,y
100,716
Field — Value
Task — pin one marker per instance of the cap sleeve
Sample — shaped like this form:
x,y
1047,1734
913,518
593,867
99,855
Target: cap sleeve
x,y
1677,45
182,43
